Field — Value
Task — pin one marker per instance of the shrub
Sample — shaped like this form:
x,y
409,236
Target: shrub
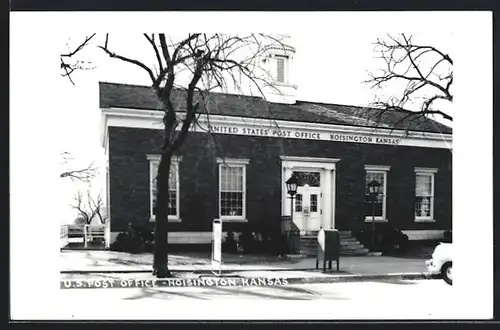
x,y
230,244
387,238
391,239
132,240
263,241
247,242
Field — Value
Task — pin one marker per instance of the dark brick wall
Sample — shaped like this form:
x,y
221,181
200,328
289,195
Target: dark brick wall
x,y
129,178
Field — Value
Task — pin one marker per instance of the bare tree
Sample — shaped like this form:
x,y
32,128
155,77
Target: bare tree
x,y
209,62
424,71
84,174
90,209
69,61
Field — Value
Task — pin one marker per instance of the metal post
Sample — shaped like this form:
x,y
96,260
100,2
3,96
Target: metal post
x,y
290,229
373,225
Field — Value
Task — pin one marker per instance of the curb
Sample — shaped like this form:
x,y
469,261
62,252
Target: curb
x,y
194,271
330,278
361,278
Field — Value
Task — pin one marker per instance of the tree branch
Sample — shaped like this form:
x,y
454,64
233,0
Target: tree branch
x,y
157,52
128,60
400,56
83,174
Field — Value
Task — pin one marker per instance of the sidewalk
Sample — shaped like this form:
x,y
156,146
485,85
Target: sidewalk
x,y
298,269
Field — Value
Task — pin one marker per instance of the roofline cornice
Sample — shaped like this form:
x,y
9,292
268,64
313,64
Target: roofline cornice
x,y
152,119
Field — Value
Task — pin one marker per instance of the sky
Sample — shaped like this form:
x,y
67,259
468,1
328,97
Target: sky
x,y
334,51
329,66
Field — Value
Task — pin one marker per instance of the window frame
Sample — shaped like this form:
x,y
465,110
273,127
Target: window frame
x,y
233,162
427,172
155,159
378,169
286,60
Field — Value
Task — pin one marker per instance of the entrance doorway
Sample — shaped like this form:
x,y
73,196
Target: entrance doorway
x,y
314,203
307,208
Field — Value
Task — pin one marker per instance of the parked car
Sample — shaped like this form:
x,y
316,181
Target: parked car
x,y
441,262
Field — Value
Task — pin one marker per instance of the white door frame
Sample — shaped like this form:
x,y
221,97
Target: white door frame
x,y
327,167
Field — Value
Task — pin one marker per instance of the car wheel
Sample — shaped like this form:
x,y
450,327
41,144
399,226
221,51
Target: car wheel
x,y
446,272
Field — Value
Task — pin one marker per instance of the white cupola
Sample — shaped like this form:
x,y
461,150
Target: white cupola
x,y
278,63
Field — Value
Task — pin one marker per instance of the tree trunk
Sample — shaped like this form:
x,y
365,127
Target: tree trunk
x,y
160,263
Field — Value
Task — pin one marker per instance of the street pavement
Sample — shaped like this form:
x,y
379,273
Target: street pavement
x,y
383,299
110,261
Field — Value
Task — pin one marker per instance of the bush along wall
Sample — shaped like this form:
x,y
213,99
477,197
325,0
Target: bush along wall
x,y
256,242
387,238
134,239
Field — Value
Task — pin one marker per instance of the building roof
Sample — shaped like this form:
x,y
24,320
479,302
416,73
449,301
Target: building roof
x,y
113,95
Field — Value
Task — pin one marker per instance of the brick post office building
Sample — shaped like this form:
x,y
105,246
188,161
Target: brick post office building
x,y
238,173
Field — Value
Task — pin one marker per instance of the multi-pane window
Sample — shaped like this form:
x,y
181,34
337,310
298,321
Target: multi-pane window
x,y
376,208
173,187
298,203
281,67
314,203
424,194
232,188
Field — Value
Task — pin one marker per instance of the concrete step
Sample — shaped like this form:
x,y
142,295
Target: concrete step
x,y
349,245
352,247
349,242
348,239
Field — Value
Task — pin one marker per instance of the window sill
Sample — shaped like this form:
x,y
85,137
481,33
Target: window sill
x,y
284,84
425,220
376,220
169,220
229,219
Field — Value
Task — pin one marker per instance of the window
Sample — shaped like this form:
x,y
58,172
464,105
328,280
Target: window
x,y
298,203
173,187
281,68
424,194
376,209
232,189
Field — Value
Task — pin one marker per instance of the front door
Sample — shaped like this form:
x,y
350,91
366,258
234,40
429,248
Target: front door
x,y
307,209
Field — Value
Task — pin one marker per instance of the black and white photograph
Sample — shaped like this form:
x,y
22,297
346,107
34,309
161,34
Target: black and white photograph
x,y
243,165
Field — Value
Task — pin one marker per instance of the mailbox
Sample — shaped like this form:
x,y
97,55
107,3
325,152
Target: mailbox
x,y
328,247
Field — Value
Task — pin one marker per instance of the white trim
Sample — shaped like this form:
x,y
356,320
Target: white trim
x,y
425,170
333,192
233,162
309,159
383,169
183,237
369,219
375,168
298,163
424,219
415,235
151,119
328,188
154,159
104,130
